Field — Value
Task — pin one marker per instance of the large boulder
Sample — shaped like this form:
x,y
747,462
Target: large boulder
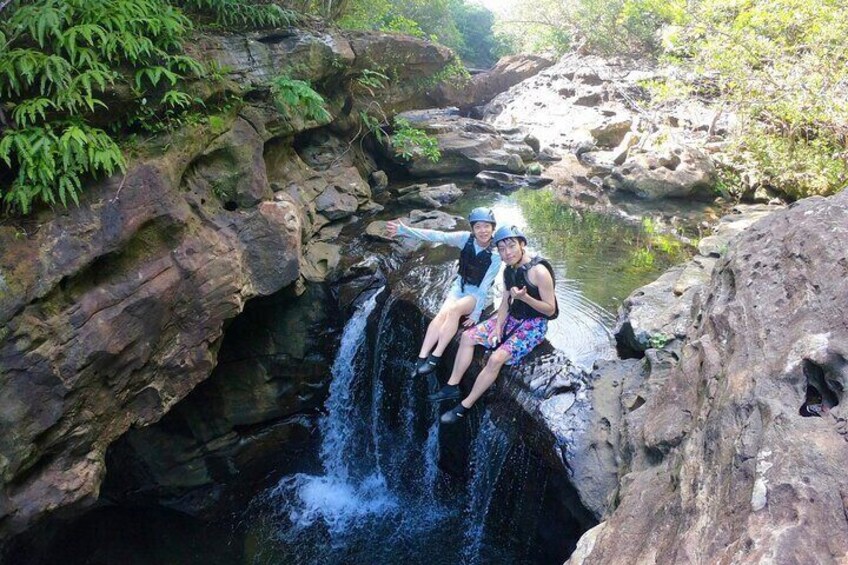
x,y
413,65
427,196
677,171
662,311
482,87
728,463
467,146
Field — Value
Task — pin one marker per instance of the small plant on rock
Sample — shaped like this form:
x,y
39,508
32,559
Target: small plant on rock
x,y
297,98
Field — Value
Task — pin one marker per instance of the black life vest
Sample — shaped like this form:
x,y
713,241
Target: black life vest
x,y
518,277
473,266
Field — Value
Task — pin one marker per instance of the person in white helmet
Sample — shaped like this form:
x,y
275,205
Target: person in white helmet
x,y
478,267
528,302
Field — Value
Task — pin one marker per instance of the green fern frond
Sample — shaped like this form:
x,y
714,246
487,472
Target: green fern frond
x,y
186,66
154,75
241,13
297,97
69,40
29,111
177,99
42,21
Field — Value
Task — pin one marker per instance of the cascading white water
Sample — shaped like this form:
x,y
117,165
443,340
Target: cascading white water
x,y
489,452
343,497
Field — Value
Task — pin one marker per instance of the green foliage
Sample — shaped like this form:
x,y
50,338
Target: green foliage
x,y
781,66
659,340
454,73
61,61
602,26
372,81
52,158
240,14
465,28
297,98
409,142
58,62
474,24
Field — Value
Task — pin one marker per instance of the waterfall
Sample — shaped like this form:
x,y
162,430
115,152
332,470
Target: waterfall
x,y
342,498
489,451
382,496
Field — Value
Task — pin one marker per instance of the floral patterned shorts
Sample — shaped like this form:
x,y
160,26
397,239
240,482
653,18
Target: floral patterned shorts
x,y
522,335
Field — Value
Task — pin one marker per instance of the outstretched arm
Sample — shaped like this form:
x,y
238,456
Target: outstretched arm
x,y
452,238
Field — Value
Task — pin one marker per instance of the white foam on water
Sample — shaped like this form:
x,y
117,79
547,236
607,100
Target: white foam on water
x,y
334,502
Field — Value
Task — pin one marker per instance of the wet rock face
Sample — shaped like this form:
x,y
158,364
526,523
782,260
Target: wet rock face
x,y
253,413
112,312
733,471
662,311
121,303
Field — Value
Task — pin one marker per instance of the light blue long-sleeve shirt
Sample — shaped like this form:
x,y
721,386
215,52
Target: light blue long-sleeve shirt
x,y
459,239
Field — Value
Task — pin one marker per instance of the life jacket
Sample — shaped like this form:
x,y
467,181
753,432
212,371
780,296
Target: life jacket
x,y
473,266
518,278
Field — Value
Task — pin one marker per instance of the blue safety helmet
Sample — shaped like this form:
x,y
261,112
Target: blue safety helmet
x,y
508,232
482,215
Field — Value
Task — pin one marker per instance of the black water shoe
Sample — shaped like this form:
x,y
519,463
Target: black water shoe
x,y
432,383
428,365
447,392
455,414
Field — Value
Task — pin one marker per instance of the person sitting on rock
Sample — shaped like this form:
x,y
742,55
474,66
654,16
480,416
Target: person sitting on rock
x,y
478,267
527,303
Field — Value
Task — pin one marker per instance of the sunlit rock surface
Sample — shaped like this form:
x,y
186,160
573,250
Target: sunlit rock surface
x,y
722,465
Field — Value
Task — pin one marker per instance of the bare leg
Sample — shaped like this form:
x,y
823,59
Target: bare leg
x,y
486,377
432,335
462,307
463,359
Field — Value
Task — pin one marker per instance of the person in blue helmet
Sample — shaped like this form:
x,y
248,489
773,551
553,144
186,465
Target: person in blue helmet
x,y
478,267
527,303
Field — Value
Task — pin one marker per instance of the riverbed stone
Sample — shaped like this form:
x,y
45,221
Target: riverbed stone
x,y
675,172
320,260
611,131
379,182
334,205
423,195
508,181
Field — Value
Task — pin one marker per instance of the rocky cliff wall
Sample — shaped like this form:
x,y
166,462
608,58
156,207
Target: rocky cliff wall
x,y
736,452
113,311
